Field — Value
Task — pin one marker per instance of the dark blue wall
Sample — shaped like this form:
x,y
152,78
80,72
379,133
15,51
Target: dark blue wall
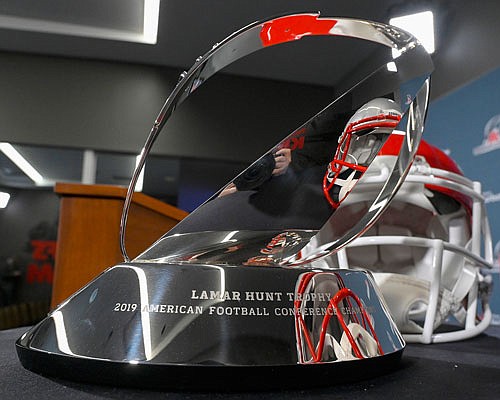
x,y
458,122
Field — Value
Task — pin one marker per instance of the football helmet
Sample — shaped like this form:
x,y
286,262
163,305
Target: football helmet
x,y
359,143
430,251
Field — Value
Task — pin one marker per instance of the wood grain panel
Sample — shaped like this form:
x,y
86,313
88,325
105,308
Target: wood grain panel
x,y
89,225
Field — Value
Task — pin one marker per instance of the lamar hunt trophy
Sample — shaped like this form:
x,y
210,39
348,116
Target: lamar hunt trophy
x,y
240,291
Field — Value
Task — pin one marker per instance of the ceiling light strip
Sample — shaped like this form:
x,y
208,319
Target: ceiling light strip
x,y
149,34
151,17
22,163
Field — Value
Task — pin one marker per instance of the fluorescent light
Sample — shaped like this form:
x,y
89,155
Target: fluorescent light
x,y
22,163
140,181
421,25
151,10
89,167
151,16
4,199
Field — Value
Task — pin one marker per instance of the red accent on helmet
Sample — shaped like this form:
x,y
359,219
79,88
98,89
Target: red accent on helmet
x,y
433,155
374,122
339,161
392,145
436,158
294,27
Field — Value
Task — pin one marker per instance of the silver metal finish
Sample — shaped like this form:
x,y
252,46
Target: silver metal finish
x,y
191,325
409,87
234,290
225,315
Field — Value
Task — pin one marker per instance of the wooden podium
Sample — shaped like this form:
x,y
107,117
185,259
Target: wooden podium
x,y
89,226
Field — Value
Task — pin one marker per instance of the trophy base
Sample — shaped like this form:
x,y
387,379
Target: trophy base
x,y
207,327
204,377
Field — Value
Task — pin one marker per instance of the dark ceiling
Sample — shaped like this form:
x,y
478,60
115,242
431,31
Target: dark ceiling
x,y
466,44
467,31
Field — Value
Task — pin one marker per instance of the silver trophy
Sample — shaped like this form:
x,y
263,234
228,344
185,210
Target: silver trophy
x,y
239,291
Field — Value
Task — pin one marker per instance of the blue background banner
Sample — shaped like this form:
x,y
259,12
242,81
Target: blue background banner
x,y
466,123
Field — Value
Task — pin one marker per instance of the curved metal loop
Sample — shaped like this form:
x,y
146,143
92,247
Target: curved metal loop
x,y
413,60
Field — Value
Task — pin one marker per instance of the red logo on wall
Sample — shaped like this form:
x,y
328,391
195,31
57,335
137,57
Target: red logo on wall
x,y
491,135
42,268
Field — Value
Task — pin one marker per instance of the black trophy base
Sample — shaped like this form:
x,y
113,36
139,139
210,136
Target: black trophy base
x,y
205,377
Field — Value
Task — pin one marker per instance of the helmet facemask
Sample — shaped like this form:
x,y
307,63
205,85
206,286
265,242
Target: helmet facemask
x,y
362,139
421,250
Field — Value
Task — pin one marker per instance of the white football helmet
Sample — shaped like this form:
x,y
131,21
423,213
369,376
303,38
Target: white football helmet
x,y
430,250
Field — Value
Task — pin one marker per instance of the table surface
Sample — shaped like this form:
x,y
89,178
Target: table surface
x,y
462,370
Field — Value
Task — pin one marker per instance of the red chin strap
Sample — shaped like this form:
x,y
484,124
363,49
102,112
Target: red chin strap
x,y
339,161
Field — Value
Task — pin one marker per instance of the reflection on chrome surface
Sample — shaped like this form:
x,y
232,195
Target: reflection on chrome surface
x,y
266,248
300,182
200,314
241,281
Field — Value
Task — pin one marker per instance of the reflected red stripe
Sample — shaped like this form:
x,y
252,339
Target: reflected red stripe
x,y
294,27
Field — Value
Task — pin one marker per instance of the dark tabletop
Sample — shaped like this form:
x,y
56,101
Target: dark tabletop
x,y
463,370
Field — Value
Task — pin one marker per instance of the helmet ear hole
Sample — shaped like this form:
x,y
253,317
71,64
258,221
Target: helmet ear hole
x,y
417,311
443,203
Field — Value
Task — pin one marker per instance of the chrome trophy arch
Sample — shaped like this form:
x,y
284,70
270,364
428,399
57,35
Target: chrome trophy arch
x,y
235,291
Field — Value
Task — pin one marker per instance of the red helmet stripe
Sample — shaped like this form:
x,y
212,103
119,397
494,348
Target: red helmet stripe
x,y
436,158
